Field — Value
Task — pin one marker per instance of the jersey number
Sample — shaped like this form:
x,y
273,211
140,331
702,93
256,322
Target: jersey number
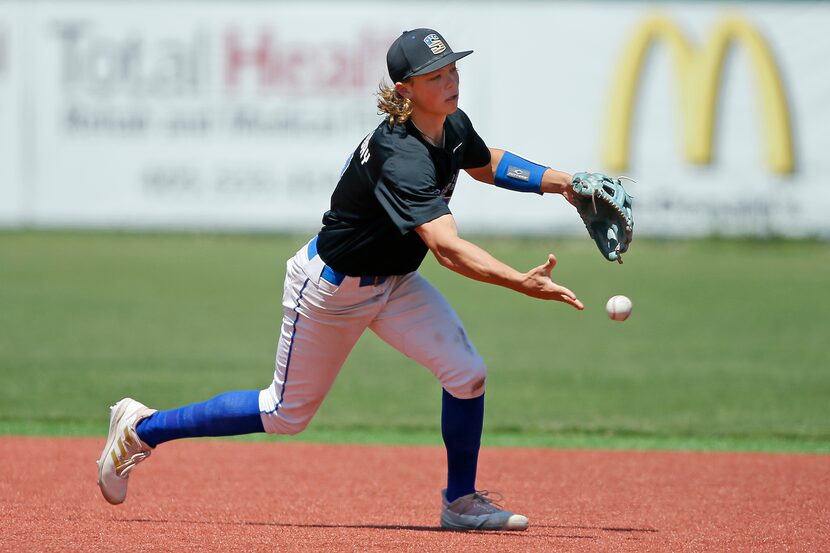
x,y
364,149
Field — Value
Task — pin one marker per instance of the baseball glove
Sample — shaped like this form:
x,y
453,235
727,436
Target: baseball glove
x,y
605,208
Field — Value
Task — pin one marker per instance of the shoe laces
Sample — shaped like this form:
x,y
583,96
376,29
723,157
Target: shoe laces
x,y
484,502
488,497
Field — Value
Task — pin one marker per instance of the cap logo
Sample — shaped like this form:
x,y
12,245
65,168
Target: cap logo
x,y
435,44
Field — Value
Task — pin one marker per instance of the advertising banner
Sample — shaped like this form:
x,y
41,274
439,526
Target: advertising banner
x,y
209,115
12,180
225,115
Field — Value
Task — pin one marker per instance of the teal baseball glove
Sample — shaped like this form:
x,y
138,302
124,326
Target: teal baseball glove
x,y
605,208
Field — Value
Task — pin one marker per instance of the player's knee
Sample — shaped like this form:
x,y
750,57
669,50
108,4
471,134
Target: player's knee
x,y
295,427
469,383
275,424
286,416
477,385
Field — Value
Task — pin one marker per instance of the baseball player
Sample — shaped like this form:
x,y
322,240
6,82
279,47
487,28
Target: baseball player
x,y
390,207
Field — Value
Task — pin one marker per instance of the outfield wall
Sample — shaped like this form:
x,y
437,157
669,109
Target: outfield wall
x,y
228,115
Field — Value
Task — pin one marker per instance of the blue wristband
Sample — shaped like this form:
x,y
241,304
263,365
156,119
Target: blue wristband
x,y
519,174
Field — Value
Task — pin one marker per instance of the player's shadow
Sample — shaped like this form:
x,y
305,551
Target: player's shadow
x,y
391,526
603,528
295,524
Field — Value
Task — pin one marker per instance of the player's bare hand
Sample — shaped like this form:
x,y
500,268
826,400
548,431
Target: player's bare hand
x,y
538,284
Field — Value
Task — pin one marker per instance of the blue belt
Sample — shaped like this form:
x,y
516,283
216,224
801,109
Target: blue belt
x,y
336,277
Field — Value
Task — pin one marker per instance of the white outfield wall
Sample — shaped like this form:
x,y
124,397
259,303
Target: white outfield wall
x,y
239,115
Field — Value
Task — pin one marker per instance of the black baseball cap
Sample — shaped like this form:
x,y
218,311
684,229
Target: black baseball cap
x,y
419,52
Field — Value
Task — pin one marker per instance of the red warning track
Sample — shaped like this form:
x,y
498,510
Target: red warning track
x,y
229,496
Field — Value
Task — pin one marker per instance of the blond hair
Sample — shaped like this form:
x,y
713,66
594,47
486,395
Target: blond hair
x,y
393,104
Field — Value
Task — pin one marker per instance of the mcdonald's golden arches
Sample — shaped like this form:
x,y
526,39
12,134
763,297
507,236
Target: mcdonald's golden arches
x,y
698,74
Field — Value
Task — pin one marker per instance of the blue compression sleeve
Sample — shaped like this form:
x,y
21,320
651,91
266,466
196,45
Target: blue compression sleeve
x,y
517,173
461,424
228,414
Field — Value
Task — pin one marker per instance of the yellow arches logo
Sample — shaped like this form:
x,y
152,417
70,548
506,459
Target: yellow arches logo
x,y
698,75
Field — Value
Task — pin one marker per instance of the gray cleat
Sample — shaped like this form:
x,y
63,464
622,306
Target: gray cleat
x,y
477,511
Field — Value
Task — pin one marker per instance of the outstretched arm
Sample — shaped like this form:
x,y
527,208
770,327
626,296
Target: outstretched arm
x,y
465,258
553,181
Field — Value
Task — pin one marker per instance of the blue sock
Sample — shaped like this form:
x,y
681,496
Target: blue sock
x,y
228,414
461,424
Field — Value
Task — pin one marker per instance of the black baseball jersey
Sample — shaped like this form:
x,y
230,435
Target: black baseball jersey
x,y
394,182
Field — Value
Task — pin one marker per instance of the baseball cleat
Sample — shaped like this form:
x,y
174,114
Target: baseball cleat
x,y
124,449
477,511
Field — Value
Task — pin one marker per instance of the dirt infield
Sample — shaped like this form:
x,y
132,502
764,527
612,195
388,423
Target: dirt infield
x,y
204,495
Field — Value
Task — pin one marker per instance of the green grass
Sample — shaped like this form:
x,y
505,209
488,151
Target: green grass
x,y
727,348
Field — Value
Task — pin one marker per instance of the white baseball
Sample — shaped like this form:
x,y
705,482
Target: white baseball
x,y
619,308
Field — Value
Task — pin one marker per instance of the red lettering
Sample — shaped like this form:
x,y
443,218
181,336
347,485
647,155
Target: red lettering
x,y
236,58
303,68
296,67
337,69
